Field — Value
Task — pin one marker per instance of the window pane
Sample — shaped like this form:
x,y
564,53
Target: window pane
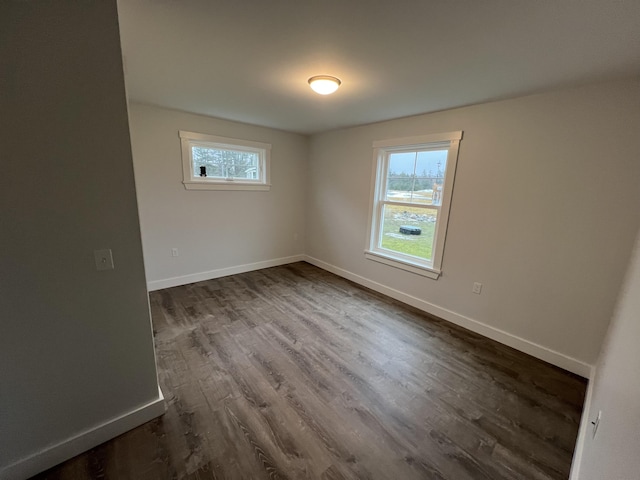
x,y
400,176
416,177
408,230
219,163
430,169
402,164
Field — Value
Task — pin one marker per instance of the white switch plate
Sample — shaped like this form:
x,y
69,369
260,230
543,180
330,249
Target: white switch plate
x,y
174,252
477,288
104,259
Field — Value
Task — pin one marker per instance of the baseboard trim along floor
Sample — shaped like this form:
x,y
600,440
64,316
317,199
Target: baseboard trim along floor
x,y
69,448
543,353
221,272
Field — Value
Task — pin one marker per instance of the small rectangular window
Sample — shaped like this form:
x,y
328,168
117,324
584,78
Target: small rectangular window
x,y
219,163
411,199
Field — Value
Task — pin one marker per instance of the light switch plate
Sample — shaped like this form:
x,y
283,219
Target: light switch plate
x,y
104,259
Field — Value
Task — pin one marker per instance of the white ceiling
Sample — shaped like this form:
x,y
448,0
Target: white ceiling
x,y
249,60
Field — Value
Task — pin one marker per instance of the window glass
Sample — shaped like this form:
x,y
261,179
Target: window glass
x,y
412,197
210,162
408,230
219,163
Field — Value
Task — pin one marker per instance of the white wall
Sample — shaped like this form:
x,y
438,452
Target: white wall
x,y
76,347
613,453
544,214
214,231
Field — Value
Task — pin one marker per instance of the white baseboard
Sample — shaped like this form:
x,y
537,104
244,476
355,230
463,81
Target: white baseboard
x,y
555,358
585,428
221,272
69,448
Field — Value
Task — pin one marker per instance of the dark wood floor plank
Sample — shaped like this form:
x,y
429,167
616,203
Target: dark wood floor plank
x,y
291,372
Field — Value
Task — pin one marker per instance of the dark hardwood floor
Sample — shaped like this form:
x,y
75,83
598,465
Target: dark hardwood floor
x,y
292,372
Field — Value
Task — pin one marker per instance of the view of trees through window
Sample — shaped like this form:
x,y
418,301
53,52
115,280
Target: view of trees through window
x,y
415,182
221,163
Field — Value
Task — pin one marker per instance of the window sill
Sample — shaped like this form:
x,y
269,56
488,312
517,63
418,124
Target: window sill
x,y
402,264
226,186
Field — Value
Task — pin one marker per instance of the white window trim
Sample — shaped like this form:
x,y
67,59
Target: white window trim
x,y
193,182
383,148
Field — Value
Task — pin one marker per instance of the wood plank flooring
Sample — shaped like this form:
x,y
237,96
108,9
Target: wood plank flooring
x,y
292,372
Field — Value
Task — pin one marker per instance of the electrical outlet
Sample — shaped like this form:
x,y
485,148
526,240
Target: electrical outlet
x,y
477,288
104,259
174,252
596,423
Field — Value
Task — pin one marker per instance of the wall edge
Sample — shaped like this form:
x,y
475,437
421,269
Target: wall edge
x,y
83,441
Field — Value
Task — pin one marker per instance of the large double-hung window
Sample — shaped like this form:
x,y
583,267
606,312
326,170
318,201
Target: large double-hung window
x,y
412,187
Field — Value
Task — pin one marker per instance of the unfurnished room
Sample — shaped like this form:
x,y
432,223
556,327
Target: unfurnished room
x,y
320,240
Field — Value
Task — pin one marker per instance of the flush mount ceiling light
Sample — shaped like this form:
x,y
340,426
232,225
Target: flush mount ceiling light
x,y
324,84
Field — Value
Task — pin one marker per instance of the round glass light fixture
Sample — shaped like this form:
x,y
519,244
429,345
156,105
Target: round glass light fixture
x,y
324,84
